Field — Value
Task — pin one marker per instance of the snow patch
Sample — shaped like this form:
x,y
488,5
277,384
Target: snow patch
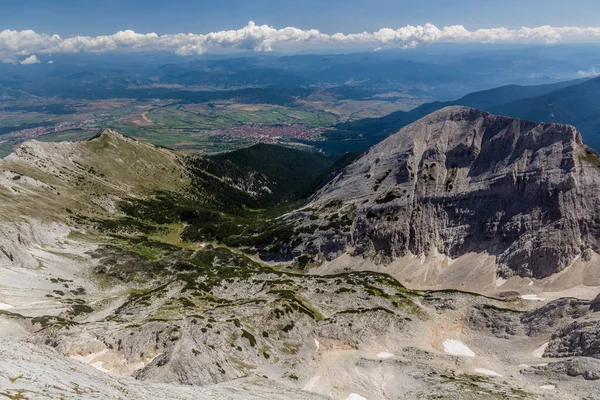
x,y
354,396
539,352
317,344
457,348
310,385
385,354
548,387
488,372
4,306
90,357
500,282
98,366
532,297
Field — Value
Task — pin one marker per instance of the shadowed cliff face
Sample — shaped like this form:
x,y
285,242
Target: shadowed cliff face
x,y
462,180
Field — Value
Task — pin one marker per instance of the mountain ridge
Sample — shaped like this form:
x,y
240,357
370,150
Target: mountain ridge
x,y
362,134
460,174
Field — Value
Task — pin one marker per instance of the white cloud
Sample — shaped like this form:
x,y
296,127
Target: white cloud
x,y
264,37
590,73
30,60
50,62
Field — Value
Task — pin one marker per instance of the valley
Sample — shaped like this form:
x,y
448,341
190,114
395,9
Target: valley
x,y
263,273
333,104
197,128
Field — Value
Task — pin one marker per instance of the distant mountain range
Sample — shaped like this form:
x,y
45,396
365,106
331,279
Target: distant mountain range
x,y
577,105
442,76
573,102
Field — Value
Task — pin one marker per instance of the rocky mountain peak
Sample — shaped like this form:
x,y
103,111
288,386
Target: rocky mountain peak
x,y
462,180
108,133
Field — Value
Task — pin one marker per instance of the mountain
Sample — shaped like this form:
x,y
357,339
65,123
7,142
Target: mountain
x,y
129,270
362,134
277,174
487,99
576,105
461,181
436,74
228,73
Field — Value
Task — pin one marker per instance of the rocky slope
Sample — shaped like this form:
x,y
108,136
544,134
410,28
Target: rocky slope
x,y
45,185
463,181
108,290
28,371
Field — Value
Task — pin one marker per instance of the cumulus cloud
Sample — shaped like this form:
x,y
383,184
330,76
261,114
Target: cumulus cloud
x,y
30,60
590,73
264,37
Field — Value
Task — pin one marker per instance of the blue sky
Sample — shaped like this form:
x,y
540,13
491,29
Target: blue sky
x,y
82,17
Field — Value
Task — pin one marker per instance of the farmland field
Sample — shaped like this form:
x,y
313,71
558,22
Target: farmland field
x,y
202,126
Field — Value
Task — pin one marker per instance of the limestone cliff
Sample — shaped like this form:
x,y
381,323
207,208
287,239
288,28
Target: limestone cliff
x,y
462,180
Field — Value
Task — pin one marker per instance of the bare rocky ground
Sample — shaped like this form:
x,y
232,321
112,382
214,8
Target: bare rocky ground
x,y
83,315
278,335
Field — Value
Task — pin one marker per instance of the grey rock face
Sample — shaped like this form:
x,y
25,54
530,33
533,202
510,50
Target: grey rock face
x,y
587,367
501,323
576,339
552,315
461,180
595,304
574,328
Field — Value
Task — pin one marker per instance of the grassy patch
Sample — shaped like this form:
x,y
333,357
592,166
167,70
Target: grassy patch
x,y
590,158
